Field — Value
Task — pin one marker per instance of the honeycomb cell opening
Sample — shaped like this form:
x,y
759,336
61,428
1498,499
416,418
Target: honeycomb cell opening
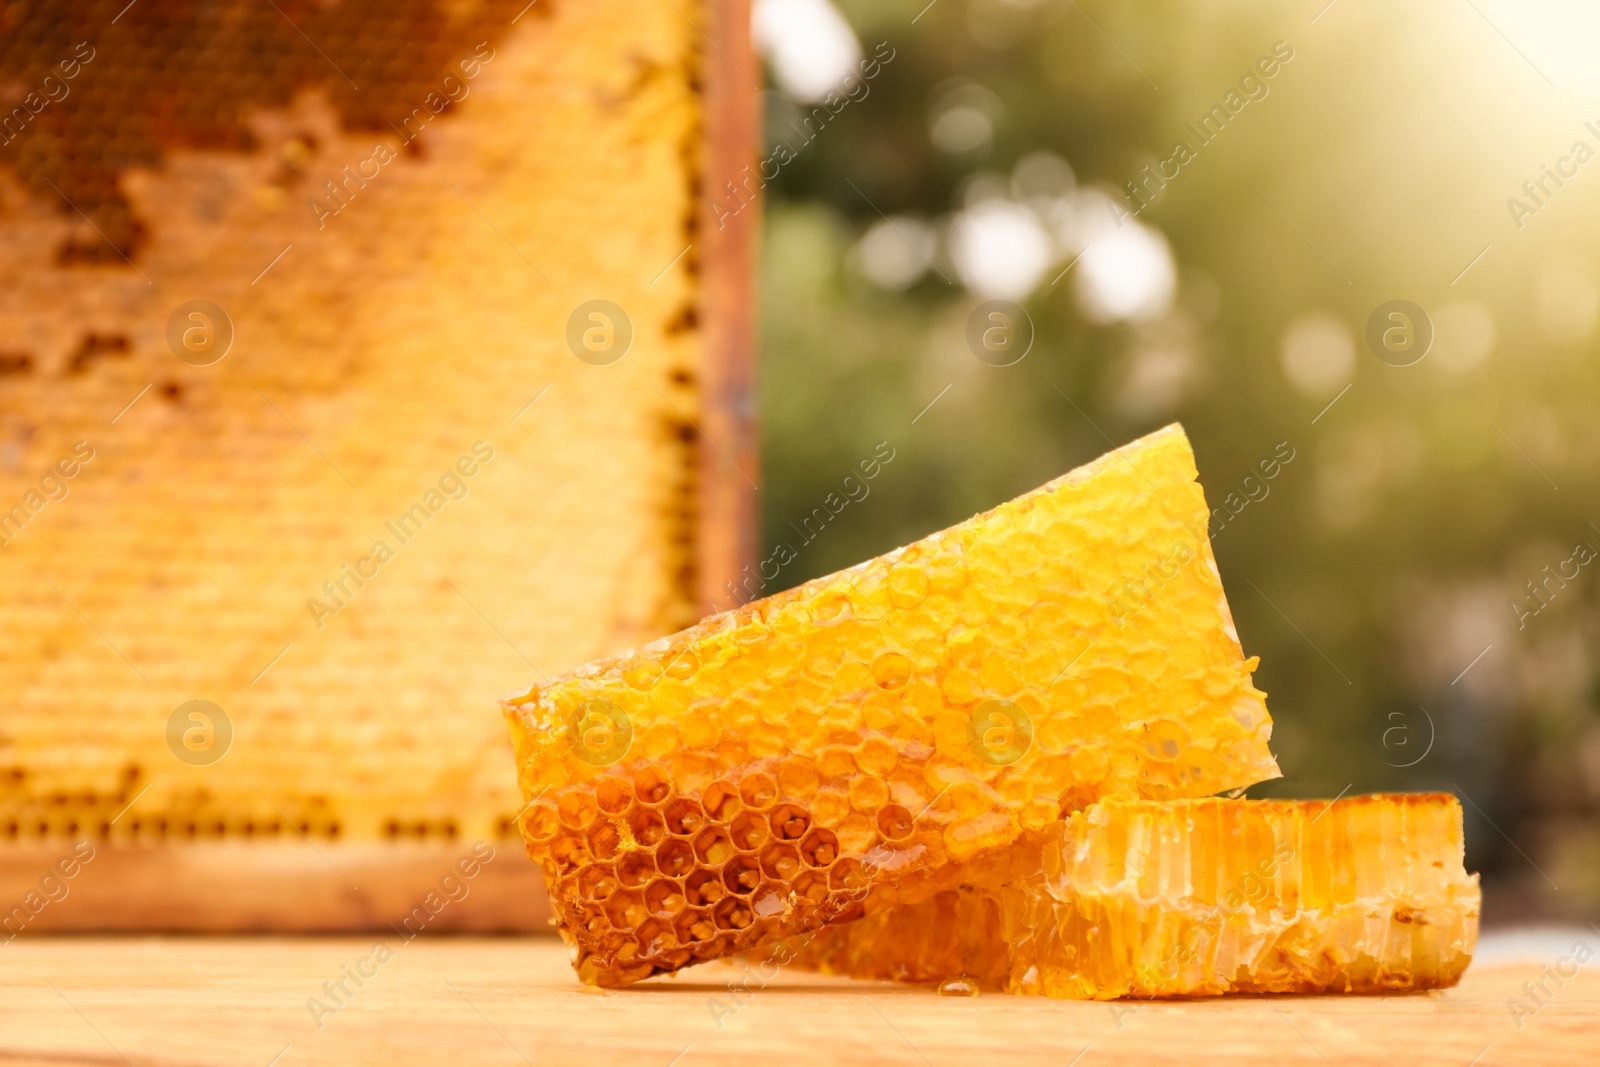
x,y
850,877
626,909
684,817
894,823
908,585
1165,740
578,810
749,831
790,822
713,846
830,608
656,937
650,786
593,919
733,913
770,900
780,861
704,888
569,851
742,874
605,842
891,671
820,848
758,791
642,676
682,665
812,886
597,883
722,801
695,925
648,827
541,823
636,869
613,795
675,858
664,898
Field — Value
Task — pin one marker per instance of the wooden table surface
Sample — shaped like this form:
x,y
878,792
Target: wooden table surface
x,y
66,1002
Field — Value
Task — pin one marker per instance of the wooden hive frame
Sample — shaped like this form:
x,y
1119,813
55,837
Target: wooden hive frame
x,y
146,881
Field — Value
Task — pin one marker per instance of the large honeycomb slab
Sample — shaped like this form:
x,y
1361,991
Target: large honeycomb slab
x,y
855,742
248,531
1194,898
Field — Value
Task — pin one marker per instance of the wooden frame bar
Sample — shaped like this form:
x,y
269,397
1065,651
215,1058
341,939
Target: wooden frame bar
x,y
729,521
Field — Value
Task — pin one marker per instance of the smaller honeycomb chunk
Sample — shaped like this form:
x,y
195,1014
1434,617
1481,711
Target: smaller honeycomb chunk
x,y
1193,898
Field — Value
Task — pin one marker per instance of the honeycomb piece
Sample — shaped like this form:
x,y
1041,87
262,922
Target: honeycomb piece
x,y
857,741
1192,898
200,141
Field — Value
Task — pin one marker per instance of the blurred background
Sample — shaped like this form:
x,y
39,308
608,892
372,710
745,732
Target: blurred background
x,y
1207,214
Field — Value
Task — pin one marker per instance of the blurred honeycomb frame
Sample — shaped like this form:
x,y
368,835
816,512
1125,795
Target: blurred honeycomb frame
x,y
474,305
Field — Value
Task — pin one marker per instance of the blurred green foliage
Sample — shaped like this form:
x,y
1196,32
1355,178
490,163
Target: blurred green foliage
x,y
1390,550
